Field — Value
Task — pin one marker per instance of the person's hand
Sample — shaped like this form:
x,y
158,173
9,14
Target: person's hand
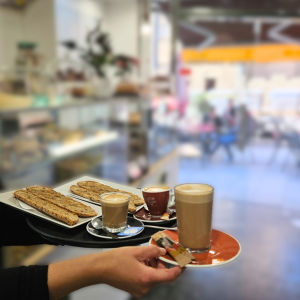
x,y
134,269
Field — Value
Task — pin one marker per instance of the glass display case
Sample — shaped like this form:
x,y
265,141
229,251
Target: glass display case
x,y
48,145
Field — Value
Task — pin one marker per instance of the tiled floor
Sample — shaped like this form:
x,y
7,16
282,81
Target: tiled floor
x,y
259,204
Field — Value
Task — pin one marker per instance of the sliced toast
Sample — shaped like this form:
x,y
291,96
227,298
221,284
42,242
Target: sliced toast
x,y
88,194
102,188
48,208
131,207
62,201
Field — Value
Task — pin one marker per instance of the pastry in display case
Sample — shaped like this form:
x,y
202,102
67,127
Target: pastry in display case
x,y
127,88
71,167
20,151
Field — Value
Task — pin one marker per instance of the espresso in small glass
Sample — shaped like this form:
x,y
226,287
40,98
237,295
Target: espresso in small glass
x,y
114,211
194,215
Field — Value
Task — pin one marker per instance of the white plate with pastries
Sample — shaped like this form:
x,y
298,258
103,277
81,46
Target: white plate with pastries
x,y
9,199
70,190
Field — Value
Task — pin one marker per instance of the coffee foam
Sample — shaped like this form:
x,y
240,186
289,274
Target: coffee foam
x,y
194,193
115,199
194,188
153,189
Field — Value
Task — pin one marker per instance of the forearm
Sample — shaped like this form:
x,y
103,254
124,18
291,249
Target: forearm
x,y
68,276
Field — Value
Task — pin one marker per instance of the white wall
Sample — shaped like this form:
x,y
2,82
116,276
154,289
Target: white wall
x,y
122,20
75,18
35,24
226,76
11,32
161,58
39,27
122,23
266,70
48,22
119,18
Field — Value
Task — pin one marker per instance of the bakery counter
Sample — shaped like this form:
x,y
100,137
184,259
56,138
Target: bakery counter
x,y
45,159
13,104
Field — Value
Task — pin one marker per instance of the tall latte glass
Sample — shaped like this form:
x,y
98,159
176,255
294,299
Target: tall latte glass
x,y
194,214
114,211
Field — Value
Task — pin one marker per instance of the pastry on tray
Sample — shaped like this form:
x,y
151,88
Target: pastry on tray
x,y
102,188
131,207
88,194
62,201
91,195
47,207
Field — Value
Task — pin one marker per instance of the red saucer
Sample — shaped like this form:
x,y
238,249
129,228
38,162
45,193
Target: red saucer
x,y
224,249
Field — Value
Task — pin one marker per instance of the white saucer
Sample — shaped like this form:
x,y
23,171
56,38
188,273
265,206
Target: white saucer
x,y
102,234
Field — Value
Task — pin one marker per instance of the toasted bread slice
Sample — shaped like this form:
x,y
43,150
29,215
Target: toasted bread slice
x,y
96,187
102,188
88,194
62,201
131,207
48,208
137,200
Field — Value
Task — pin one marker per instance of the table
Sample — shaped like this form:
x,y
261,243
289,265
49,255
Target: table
x,y
79,237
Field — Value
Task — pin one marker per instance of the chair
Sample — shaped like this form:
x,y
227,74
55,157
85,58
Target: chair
x,y
294,143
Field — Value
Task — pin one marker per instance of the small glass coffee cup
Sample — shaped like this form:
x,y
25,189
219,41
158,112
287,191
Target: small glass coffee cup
x,y
114,211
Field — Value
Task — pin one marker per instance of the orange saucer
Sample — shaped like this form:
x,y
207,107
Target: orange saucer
x,y
224,249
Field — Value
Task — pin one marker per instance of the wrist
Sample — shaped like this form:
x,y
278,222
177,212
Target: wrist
x,y
98,268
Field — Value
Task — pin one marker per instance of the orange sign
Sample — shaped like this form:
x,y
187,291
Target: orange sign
x,y
260,54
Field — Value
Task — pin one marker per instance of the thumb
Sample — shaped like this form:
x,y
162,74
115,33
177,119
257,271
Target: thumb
x,y
150,252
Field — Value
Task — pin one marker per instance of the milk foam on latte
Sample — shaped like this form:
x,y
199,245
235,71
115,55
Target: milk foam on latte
x,y
115,199
191,192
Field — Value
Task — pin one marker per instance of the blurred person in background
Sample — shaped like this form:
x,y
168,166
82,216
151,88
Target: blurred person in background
x,y
230,114
207,127
236,127
225,134
205,109
217,131
246,126
132,269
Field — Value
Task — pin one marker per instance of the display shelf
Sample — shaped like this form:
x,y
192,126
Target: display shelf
x,y
130,115
79,128
58,152
18,107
